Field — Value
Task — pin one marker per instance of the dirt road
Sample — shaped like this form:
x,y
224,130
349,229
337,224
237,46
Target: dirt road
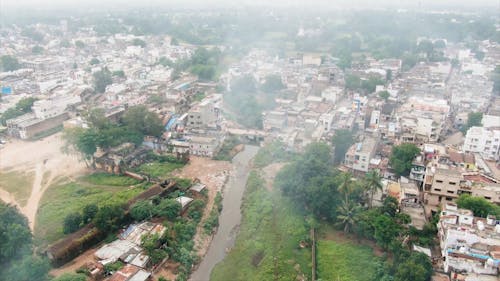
x,y
46,159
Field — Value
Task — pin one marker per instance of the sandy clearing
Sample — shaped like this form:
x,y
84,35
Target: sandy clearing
x,y
43,156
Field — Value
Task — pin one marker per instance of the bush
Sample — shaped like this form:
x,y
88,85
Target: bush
x,y
72,222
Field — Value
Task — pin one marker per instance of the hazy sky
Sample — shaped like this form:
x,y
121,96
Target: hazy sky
x,y
45,3
348,3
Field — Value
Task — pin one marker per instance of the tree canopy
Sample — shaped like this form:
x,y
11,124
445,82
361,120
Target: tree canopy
x,y
102,79
140,119
342,140
272,83
9,63
473,119
478,205
402,156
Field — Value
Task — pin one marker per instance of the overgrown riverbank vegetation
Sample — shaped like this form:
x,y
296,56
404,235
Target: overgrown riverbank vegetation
x,y
339,199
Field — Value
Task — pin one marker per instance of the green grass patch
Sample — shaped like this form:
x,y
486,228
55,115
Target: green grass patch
x,y
158,169
19,184
267,246
110,179
345,261
64,198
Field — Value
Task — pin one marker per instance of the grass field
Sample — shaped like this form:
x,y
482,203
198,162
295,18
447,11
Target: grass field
x,y
345,260
19,184
267,246
158,169
64,198
109,179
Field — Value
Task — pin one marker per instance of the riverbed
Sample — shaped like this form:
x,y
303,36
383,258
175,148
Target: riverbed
x,y
230,217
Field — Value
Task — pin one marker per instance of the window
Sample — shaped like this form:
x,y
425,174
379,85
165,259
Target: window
x,y
437,189
450,191
452,183
439,181
487,197
449,198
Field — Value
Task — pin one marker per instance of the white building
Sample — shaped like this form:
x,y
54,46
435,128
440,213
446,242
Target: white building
x,y
468,244
359,154
483,141
49,108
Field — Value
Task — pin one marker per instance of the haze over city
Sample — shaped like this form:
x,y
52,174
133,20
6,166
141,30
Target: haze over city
x,y
249,140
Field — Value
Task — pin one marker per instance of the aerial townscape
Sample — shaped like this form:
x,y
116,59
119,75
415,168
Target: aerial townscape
x,y
250,140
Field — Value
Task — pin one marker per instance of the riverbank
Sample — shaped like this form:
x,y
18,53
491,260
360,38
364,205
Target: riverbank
x,y
272,241
230,216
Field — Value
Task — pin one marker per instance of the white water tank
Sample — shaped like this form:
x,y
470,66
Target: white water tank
x,y
480,225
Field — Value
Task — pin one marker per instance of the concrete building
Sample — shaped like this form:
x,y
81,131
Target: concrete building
x,y
359,154
469,245
204,146
448,184
485,141
205,114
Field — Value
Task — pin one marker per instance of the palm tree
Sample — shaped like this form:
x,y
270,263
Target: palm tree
x,y
372,183
348,215
346,185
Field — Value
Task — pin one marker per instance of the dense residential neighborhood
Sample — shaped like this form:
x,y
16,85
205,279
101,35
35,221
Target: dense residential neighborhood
x,y
129,152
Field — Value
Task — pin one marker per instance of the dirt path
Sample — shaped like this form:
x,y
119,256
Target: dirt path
x,y
45,158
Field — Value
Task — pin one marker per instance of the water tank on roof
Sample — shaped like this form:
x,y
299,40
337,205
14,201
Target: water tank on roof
x,y
480,225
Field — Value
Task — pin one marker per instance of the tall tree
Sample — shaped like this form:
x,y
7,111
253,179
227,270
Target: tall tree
x,y
402,156
102,79
342,140
372,183
15,235
9,63
473,119
140,119
109,218
346,185
348,215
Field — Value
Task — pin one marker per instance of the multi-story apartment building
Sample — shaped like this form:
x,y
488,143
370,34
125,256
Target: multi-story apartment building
x,y
359,154
448,184
485,141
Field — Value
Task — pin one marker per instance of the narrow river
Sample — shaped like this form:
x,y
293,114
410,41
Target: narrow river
x,y
230,216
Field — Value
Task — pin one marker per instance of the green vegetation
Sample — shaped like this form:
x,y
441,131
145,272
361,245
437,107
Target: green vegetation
x,y
473,120
138,42
109,179
337,199
17,261
23,106
267,247
158,169
94,61
273,152
9,63
478,205
213,220
342,140
367,86
384,95
495,77
226,151
18,184
401,158
345,261
37,50
102,79
272,83
135,124
73,197
71,277
246,103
